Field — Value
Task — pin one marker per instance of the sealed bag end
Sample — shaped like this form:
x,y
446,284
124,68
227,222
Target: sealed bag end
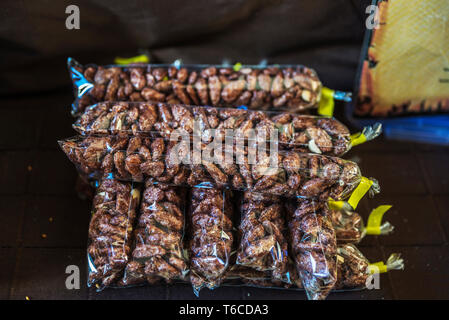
x,y
372,132
368,133
82,80
100,278
199,283
352,268
348,225
375,225
374,188
72,62
386,228
317,288
92,280
395,262
365,185
68,146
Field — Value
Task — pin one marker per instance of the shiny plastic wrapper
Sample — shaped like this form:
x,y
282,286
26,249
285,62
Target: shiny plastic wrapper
x,y
211,236
294,174
291,87
158,251
263,245
354,270
314,246
245,276
239,275
304,133
349,226
110,231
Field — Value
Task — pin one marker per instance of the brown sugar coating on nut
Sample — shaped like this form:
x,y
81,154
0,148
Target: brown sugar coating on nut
x,y
139,158
314,246
293,88
352,268
211,235
239,275
348,226
158,237
293,132
352,273
263,246
110,231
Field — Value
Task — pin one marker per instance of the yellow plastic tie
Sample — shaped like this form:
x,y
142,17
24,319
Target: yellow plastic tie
x,y
358,138
338,205
375,220
363,187
335,205
237,66
326,106
143,58
378,267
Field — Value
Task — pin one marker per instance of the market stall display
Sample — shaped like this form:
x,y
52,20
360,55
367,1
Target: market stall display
x,y
180,134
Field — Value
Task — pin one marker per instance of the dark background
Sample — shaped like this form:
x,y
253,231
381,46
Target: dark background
x,y
37,194
323,34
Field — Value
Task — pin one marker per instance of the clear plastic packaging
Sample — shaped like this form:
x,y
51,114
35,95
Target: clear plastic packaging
x,y
305,133
110,231
354,269
294,174
350,228
158,250
291,87
245,276
353,272
239,275
263,245
211,236
314,246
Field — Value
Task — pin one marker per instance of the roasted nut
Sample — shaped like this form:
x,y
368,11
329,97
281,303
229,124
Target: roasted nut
x,y
296,174
211,236
294,132
110,230
314,246
348,226
158,237
137,78
352,268
263,246
296,89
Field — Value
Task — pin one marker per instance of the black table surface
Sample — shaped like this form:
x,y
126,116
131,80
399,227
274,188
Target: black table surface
x,y
44,224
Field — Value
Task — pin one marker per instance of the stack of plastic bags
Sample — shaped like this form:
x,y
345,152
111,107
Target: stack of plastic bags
x,y
218,175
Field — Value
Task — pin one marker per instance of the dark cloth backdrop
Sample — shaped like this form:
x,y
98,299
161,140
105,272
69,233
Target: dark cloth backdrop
x,y
323,34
